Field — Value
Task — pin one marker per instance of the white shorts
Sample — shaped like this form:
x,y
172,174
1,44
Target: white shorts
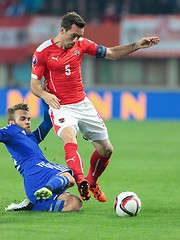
x,y
82,117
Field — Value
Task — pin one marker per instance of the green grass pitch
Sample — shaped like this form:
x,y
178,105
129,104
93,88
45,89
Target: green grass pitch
x,y
145,160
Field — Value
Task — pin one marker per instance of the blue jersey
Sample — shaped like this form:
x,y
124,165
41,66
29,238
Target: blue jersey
x,y
28,157
23,147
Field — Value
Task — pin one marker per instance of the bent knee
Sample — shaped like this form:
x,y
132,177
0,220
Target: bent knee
x,y
107,151
71,203
77,205
103,147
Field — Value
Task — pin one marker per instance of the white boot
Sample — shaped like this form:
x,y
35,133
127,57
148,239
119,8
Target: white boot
x,y
24,205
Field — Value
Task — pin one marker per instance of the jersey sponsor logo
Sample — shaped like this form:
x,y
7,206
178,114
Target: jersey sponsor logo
x,y
34,60
76,53
70,159
55,58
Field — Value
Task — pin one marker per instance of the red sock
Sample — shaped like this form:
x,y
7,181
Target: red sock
x,y
98,164
73,161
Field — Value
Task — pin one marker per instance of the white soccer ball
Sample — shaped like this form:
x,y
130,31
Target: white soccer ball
x,y
127,204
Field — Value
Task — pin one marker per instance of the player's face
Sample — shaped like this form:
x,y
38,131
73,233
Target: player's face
x,y
23,120
70,37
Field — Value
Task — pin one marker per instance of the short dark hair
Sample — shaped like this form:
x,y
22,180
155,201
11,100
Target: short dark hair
x,y
11,110
71,18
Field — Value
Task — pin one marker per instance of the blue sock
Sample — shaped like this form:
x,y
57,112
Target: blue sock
x,y
57,183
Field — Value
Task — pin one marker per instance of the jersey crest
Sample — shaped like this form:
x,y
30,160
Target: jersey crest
x,y
76,53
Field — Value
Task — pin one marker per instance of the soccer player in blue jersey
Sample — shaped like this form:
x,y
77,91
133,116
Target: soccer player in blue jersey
x,y
45,183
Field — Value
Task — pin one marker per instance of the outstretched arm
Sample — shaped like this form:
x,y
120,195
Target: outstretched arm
x,y
124,50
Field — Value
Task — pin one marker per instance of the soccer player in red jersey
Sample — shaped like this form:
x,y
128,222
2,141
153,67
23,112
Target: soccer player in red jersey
x,y
59,61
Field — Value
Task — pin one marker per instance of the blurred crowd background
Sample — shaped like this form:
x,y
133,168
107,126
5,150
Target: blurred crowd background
x,y
149,72
94,11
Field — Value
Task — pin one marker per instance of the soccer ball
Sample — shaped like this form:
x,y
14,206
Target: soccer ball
x,y
127,204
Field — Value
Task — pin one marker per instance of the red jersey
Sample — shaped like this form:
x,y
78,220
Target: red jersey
x,y
61,68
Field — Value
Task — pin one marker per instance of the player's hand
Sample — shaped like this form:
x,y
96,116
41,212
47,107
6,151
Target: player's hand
x,y
147,42
51,100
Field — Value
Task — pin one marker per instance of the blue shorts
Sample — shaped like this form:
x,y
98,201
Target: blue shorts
x,y
50,205
39,175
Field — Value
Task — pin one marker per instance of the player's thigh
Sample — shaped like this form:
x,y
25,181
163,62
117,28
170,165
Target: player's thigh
x,y
92,126
52,204
64,202
61,119
68,134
